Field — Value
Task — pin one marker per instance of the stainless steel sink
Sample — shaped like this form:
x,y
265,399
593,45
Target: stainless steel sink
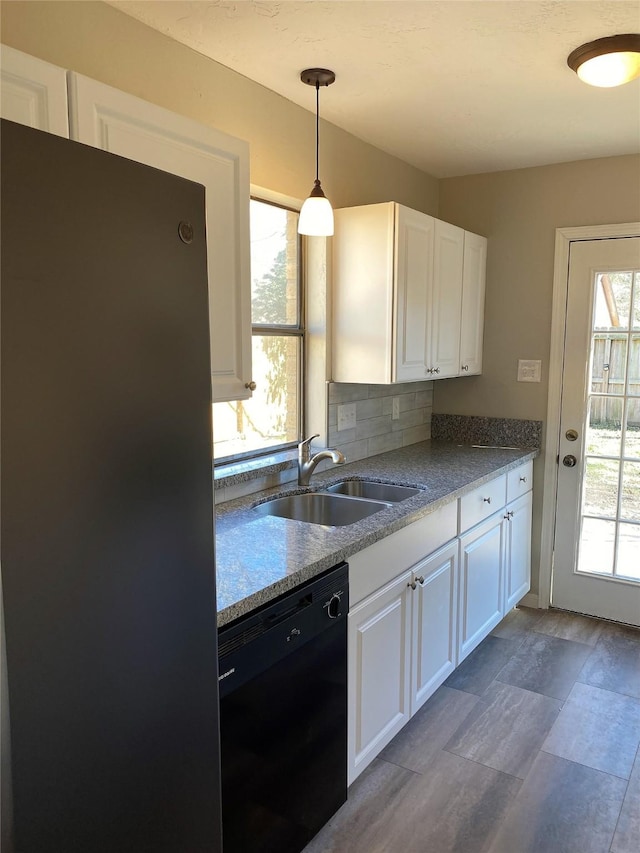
x,y
321,508
373,491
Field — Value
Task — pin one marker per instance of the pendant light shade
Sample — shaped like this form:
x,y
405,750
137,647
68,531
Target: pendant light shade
x,y
316,215
607,62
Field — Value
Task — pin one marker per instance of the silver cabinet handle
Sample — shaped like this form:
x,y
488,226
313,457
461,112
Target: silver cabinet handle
x,y
509,515
250,386
465,367
523,479
414,584
486,500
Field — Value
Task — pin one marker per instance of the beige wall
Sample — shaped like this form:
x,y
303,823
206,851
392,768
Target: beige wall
x,y
107,45
519,211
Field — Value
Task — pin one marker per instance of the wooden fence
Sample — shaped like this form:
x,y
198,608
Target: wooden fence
x,y
608,377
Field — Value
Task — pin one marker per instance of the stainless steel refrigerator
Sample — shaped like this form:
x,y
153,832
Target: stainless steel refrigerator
x,y
107,507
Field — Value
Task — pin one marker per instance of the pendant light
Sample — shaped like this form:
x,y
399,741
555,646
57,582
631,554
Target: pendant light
x,y
316,215
607,62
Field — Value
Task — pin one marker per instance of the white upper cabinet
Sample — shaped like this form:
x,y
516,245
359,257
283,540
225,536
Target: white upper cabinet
x,y
446,302
33,92
383,274
123,124
472,316
413,293
400,310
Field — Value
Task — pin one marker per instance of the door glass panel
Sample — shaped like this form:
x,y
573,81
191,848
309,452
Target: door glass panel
x,y
613,298
604,431
636,302
596,550
633,373
629,551
611,479
632,430
608,363
601,487
630,508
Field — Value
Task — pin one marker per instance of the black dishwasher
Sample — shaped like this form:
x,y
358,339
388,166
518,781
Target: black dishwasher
x,y
283,717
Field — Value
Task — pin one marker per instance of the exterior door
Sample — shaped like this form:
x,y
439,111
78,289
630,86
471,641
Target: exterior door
x,y
597,543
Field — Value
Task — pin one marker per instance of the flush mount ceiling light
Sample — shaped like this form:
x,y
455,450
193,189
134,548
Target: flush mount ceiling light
x,y
607,62
316,216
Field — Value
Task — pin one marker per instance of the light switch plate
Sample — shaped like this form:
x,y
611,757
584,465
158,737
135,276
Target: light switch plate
x,y
346,416
529,370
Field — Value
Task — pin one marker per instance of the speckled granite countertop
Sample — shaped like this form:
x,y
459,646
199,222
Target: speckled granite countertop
x,y
260,557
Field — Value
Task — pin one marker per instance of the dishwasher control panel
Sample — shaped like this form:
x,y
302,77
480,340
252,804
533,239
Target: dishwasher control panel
x,y
266,636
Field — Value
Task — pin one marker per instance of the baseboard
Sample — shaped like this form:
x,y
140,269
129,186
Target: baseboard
x,y
530,600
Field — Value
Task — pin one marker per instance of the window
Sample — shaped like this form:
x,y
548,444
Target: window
x,y
271,418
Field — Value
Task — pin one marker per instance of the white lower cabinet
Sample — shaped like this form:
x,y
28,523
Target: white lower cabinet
x,y
379,643
481,561
414,618
402,646
434,612
517,562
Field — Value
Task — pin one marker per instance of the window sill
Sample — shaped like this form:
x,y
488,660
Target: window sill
x,y
236,478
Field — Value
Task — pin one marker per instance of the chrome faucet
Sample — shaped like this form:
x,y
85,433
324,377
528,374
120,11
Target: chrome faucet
x,y
307,463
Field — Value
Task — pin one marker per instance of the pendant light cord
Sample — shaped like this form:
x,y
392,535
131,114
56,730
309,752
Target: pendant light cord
x,y
317,130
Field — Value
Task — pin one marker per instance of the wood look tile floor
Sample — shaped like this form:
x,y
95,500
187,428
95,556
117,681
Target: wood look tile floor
x,y
531,746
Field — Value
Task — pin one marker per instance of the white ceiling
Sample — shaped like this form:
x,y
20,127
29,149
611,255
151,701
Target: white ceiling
x,y
453,87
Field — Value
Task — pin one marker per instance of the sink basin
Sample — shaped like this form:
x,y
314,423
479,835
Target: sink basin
x,y
373,491
321,508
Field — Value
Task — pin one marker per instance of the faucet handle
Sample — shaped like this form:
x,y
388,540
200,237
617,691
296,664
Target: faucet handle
x,y
307,441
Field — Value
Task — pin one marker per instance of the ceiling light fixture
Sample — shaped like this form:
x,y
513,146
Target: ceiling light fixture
x,y
607,62
316,216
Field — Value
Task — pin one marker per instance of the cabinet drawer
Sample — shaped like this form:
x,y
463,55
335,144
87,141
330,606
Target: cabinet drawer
x,y
519,481
380,563
482,502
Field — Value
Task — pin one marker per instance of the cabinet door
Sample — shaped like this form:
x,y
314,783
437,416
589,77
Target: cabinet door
x,y
518,550
363,293
481,558
413,293
33,92
434,640
446,300
125,125
472,316
379,661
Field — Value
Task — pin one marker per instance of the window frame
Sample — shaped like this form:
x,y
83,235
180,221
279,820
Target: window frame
x,y
298,331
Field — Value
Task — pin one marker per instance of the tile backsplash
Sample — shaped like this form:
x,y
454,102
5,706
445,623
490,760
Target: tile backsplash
x,y
375,430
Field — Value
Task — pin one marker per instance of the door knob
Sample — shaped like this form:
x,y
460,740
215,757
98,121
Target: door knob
x,y
569,461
